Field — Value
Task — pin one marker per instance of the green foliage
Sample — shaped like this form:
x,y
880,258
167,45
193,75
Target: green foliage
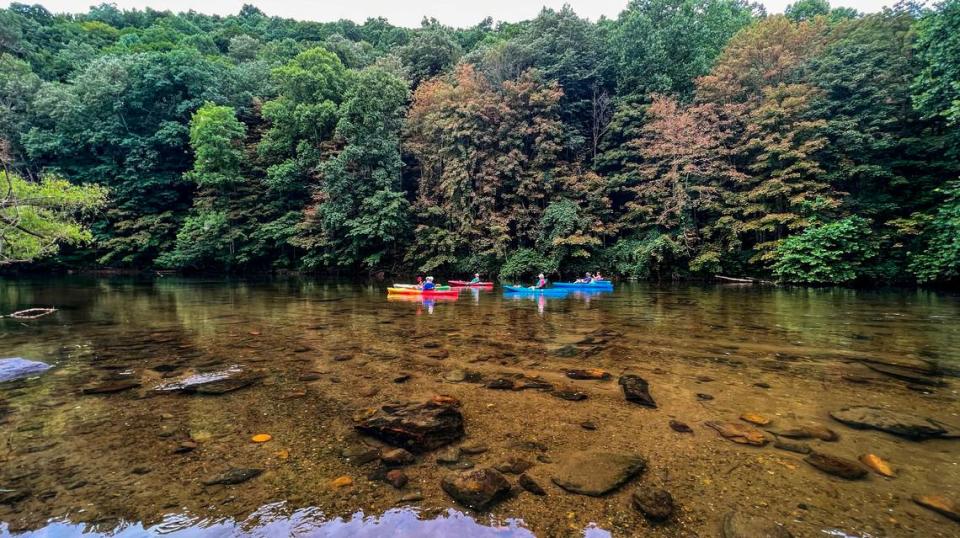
x,y
833,253
684,138
938,258
662,46
937,85
37,217
526,264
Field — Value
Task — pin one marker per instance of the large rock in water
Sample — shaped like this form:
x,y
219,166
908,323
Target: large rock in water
x,y
897,423
597,473
637,390
16,367
415,427
476,489
213,383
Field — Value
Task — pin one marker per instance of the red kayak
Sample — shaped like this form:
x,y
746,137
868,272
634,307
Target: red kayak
x,y
465,284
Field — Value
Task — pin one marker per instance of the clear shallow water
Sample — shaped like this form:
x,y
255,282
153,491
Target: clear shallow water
x,y
108,462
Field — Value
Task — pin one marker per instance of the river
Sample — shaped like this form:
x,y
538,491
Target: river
x,y
107,440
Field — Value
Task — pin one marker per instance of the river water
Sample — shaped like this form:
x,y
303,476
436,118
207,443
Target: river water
x,y
323,355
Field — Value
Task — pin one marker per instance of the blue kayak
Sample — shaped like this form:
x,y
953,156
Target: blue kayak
x,y
598,285
535,291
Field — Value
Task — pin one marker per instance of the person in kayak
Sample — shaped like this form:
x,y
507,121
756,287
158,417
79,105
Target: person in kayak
x,y
476,278
587,279
428,285
419,281
597,276
541,282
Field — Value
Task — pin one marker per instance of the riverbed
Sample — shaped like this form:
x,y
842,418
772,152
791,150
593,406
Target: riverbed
x,y
116,438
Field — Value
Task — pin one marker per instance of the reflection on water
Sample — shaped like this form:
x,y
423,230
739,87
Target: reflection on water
x,y
274,521
115,438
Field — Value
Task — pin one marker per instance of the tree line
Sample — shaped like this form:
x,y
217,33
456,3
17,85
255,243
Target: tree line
x,y
684,138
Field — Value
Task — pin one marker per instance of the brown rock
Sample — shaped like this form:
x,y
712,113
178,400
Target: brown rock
x,y
939,504
637,390
592,373
810,431
836,466
596,473
530,484
416,427
477,489
753,418
397,457
877,464
397,478
739,433
514,465
655,504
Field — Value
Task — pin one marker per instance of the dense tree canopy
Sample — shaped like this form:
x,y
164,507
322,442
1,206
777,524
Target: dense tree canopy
x,y
681,139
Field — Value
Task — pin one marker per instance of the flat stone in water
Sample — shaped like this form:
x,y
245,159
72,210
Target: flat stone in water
x,y
597,473
939,504
514,465
799,448
213,383
233,476
415,427
902,424
501,384
530,484
17,367
909,375
477,489
570,395
739,433
836,466
680,427
592,373
738,525
637,390
810,431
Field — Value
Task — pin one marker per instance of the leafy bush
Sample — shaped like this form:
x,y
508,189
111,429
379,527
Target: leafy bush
x,y
833,253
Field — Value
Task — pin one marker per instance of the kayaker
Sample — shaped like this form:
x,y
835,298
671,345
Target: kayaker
x,y
587,279
428,285
596,277
476,278
541,282
419,281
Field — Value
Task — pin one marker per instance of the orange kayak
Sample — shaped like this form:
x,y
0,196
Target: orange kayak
x,y
423,293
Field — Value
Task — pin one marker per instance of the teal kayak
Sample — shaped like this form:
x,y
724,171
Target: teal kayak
x,y
599,285
536,291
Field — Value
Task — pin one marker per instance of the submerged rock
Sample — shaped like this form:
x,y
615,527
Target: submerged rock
x,y
739,433
755,419
680,427
415,427
397,478
704,397
530,484
233,476
477,489
799,448
836,466
910,375
449,455
570,395
902,424
592,373
17,367
596,473
359,454
514,465
811,431
501,384
213,383
397,457
877,465
655,504
737,525
939,504
637,390
13,496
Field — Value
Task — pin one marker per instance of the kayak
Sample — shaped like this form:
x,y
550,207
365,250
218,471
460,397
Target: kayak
x,y
423,293
465,284
535,291
414,287
598,285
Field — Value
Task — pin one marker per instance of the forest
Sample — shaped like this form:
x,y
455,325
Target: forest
x,y
682,139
